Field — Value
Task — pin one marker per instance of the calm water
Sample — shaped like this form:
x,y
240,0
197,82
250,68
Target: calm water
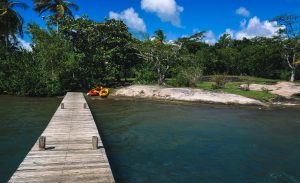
x,y
22,120
156,142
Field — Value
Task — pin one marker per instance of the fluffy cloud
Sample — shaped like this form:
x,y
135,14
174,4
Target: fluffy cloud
x,y
256,28
166,10
24,44
242,11
243,23
131,18
230,32
210,38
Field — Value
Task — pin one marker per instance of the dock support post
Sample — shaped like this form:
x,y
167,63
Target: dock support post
x,y
62,105
85,106
42,143
95,142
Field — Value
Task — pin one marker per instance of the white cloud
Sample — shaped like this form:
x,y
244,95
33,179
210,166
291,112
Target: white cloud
x,y
184,36
210,38
166,10
243,23
77,17
257,28
24,44
131,18
254,28
242,11
230,32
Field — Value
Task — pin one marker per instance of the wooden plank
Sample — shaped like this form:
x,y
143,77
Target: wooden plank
x,y
70,153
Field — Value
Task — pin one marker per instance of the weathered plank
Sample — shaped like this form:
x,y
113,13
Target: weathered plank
x,y
70,153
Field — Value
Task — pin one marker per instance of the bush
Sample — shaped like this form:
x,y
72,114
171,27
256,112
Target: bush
x,y
145,76
246,86
285,75
188,77
220,82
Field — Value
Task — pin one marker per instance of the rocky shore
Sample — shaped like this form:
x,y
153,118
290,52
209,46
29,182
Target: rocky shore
x,y
184,94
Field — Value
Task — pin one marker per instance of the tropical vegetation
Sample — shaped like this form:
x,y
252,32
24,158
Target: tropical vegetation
x,y
75,54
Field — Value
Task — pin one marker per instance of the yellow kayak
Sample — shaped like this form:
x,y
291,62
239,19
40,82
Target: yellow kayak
x,y
104,92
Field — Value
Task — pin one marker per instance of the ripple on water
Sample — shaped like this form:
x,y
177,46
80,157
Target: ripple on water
x,y
158,142
281,177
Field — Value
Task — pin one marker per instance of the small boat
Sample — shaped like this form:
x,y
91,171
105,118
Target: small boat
x,y
93,92
104,92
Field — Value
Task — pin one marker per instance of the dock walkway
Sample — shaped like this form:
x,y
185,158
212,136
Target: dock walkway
x,y
68,155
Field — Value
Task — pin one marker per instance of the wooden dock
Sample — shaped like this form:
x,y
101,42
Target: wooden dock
x,y
69,155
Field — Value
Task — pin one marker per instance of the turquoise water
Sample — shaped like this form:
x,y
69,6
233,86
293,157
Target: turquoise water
x,y
158,142
22,120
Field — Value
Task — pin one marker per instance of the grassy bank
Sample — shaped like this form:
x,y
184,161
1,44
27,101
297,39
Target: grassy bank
x,y
233,84
233,87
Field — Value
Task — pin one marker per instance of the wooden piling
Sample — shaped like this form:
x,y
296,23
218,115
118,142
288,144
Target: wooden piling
x,y
95,142
42,143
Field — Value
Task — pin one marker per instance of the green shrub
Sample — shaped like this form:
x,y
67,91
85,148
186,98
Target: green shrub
x,y
285,75
145,76
188,77
265,90
246,87
220,82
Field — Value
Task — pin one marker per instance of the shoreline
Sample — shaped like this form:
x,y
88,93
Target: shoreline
x,y
191,95
185,95
196,103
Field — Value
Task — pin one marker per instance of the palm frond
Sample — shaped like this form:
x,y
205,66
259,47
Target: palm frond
x,y
71,5
58,7
18,21
15,4
3,11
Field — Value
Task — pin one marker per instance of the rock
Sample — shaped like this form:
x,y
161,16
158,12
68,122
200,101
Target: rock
x,y
184,94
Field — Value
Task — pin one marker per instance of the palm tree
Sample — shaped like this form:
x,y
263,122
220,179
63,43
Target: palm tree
x,y
11,22
59,8
160,36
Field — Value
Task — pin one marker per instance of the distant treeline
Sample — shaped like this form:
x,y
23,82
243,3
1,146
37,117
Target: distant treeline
x,y
83,53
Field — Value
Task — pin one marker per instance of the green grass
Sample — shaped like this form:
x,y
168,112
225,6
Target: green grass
x,y
252,79
233,87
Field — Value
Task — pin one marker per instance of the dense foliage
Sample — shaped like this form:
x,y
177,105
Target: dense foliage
x,y
83,53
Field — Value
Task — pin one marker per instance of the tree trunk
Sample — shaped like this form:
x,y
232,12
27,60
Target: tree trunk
x,y
161,79
6,41
57,26
293,73
125,74
52,77
293,67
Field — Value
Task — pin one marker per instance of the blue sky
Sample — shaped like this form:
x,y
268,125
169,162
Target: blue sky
x,y
240,18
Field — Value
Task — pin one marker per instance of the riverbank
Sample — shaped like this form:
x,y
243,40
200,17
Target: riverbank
x,y
196,95
184,94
